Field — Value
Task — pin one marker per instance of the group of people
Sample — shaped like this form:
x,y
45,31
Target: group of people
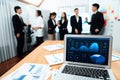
x,y
62,25
97,23
76,24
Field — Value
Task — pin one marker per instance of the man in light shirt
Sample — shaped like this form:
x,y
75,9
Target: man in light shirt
x,y
38,28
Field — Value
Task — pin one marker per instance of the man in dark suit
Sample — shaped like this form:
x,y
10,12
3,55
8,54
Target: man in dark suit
x,y
18,25
76,22
97,20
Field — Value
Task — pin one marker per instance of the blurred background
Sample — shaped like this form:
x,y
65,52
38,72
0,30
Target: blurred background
x,y
110,9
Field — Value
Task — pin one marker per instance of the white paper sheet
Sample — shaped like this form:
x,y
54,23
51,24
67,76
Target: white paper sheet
x,y
53,47
30,71
54,73
54,58
115,57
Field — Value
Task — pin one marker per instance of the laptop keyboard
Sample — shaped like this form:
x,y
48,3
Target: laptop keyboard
x,y
87,72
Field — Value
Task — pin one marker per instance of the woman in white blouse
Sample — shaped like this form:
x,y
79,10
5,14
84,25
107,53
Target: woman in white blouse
x,y
38,28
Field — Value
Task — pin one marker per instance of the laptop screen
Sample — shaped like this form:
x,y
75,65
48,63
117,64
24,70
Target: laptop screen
x,y
87,50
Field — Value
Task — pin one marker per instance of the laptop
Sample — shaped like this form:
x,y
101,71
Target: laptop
x,y
86,58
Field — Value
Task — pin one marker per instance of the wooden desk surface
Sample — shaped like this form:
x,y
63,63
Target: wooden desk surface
x,y
37,56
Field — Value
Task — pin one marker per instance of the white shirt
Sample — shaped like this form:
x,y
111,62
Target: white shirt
x,y
53,22
77,18
19,16
63,21
95,12
39,23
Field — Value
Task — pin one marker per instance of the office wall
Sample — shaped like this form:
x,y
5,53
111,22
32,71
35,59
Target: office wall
x,y
116,37
7,39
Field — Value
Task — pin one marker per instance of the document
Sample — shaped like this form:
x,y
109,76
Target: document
x,y
54,59
115,57
30,71
54,73
53,47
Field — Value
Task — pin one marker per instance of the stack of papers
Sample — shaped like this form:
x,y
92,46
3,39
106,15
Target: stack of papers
x,y
54,47
54,58
115,57
30,72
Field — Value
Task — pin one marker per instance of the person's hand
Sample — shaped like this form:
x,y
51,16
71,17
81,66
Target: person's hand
x,y
39,27
76,31
86,19
27,24
49,28
58,24
18,35
35,28
96,30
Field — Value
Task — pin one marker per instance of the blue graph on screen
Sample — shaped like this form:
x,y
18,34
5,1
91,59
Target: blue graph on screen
x,y
94,47
97,59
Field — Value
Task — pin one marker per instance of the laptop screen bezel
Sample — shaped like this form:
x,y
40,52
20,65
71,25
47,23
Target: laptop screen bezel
x,y
89,36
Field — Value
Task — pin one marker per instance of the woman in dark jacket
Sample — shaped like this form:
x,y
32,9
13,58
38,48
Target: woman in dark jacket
x,y
51,26
62,24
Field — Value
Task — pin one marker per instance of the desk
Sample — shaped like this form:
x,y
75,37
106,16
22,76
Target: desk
x,y
37,56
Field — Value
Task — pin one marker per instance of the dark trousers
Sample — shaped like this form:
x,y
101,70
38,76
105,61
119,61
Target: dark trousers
x,y
62,36
20,45
39,40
